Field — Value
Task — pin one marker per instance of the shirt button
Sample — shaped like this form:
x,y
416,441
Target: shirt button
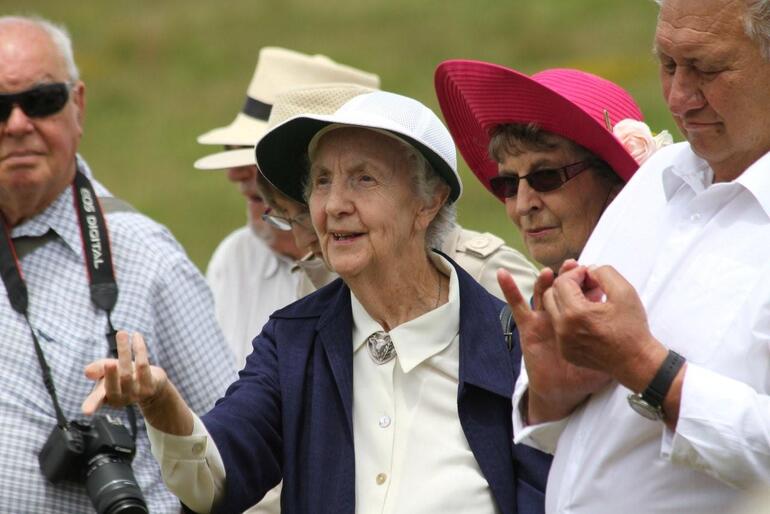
x,y
381,478
385,422
695,217
197,448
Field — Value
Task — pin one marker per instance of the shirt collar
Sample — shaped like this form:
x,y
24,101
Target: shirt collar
x,y
687,169
756,179
690,170
421,338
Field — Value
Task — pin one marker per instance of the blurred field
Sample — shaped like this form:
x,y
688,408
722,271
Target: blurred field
x,y
160,73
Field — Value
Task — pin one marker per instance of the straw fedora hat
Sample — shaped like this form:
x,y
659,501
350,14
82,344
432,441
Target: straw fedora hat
x,y
282,151
320,99
477,96
277,69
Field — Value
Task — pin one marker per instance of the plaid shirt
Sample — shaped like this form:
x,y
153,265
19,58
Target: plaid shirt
x,y
161,294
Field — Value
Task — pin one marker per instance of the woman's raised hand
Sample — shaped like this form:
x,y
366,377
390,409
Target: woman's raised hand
x,y
128,379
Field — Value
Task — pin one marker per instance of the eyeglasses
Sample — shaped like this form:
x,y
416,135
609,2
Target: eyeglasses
x,y
542,181
37,102
281,223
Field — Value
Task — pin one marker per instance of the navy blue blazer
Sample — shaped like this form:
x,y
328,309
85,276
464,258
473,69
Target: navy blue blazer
x,y
289,416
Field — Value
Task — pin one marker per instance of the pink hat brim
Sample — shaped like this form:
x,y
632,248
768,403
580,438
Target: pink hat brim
x,y
477,96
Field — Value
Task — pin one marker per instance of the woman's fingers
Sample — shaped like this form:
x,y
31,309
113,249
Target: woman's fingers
x,y
144,376
94,400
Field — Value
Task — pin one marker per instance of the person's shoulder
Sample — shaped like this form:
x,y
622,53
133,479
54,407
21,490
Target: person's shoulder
x,y
137,240
481,254
240,245
666,157
479,244
314,304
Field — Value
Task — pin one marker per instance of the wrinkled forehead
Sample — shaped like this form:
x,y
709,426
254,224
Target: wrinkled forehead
x,y
356,144
692,20
28,56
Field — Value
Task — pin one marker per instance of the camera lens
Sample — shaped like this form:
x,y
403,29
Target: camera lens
x,y
112,487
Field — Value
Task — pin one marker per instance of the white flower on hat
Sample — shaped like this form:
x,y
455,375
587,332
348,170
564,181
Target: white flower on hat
x,y
636,137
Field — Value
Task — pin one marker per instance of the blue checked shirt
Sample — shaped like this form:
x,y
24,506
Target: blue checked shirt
x,y
161,294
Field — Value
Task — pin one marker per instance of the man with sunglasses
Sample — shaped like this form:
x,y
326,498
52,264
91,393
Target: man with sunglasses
x,y
84,263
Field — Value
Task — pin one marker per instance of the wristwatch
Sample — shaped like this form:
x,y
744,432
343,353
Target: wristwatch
x,y
649,403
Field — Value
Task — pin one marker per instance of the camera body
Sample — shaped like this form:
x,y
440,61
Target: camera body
x,y
98,453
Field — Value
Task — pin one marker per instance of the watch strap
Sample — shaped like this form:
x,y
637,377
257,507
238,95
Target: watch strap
x,y
661,383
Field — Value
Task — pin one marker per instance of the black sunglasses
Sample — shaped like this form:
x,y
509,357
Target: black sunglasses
x,y
37,102
542,181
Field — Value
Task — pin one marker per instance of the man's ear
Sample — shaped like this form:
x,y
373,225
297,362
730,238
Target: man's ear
x,y
79,99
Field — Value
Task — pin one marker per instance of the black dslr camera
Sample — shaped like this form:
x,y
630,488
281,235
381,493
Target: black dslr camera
x,y
100,454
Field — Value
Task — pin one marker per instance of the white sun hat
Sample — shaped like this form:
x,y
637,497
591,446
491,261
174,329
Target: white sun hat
x,y
277,69
282,152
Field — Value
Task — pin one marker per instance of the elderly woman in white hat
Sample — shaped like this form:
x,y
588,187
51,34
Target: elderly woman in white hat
x,y
387,390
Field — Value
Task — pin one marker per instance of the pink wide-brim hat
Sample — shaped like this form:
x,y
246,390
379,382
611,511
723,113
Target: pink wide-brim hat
x,y
477,96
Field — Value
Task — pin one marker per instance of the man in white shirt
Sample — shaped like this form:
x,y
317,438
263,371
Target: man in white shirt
x,y
652,388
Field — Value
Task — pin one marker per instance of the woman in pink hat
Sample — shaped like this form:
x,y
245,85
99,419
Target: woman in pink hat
x,y
556,147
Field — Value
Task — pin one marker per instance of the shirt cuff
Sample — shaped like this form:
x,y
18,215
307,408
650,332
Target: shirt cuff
x,y
191,466
706,437
543,436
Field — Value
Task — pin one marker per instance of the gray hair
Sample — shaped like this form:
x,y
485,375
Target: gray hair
x,y
427,182
59,36
756,24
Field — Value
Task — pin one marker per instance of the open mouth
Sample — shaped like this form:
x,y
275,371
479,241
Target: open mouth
x,y
340,236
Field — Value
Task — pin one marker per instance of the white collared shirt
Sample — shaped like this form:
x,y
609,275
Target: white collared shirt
x,y
699,256
249,282
411,452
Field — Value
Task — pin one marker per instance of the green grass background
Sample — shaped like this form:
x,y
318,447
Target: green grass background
x,y
159,73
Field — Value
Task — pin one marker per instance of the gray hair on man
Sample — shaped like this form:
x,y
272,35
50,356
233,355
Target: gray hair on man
x,y
756,24
58,34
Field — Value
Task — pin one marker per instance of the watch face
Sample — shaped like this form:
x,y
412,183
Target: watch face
x,y
643,408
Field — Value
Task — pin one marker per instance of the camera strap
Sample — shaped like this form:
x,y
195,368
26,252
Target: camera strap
x,y
101,278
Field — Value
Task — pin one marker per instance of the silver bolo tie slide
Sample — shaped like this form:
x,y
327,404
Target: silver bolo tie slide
x,y
380,347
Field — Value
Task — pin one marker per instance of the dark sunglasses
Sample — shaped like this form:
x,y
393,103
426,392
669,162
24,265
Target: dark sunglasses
x,y
281,223
542,181
38,102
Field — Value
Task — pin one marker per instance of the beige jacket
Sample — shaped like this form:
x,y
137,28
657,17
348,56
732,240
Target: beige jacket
x,y
480,254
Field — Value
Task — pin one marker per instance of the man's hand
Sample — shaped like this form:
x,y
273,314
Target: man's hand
x,y
131,379
556,386
611,336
